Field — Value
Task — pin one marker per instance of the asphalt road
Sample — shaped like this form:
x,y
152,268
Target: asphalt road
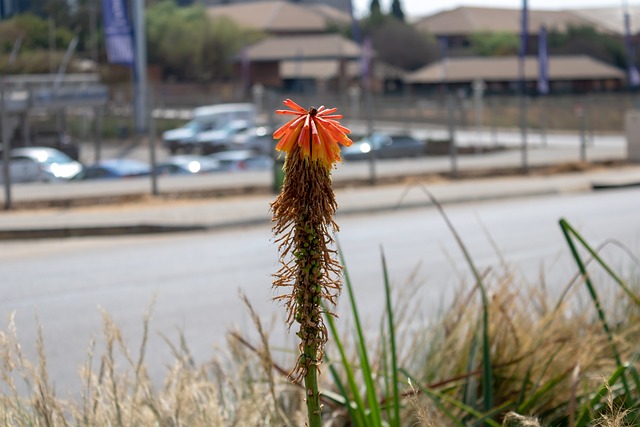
x,y
195,279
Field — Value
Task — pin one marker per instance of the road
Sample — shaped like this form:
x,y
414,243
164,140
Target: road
x,y
195,278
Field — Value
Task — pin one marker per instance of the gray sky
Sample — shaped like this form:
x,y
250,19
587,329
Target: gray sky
x,y
416,8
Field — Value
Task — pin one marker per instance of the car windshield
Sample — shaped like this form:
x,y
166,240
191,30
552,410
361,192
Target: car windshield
x,y
193,125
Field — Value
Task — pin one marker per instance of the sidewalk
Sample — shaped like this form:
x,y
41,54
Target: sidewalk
x,y
162,215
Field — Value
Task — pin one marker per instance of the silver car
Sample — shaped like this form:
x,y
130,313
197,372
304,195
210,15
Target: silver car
x,y
43,164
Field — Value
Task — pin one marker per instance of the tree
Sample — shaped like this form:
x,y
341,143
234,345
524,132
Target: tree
x,y
189,46
401,45
375,13
396,10
587,40
501,43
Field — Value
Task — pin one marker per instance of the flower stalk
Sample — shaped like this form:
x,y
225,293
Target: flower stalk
x,y
303,216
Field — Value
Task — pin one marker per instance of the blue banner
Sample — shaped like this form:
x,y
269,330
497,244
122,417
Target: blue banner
x,y
117,32
543,62
632,70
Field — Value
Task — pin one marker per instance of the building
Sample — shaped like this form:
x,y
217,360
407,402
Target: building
x,y
457,25
567,74
279,17
342,5
310,62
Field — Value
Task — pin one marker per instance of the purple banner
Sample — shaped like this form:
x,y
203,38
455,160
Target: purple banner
x,y
117,31
632,70
543,62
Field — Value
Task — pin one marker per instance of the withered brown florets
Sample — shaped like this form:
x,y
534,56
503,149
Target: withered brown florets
x,y
303,215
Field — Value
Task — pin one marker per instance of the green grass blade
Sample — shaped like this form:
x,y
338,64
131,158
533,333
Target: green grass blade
x,y
469,390
360,415
523,389
567,231
565,225
392,342
346,401
487,374
583,418
372,398
439,399
385,369
541,392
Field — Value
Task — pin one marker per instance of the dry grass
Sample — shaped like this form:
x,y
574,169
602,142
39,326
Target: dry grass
x,y
534,342
227,391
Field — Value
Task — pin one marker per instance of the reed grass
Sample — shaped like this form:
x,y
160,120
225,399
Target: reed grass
x,y
550,361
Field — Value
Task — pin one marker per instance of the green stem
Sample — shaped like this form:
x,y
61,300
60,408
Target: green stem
x,y
312,395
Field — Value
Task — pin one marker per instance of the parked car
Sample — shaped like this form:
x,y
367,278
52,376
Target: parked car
x,y
241,160
384,146
47,138
44,164
115,169
221,139
204,119
256,138
188,165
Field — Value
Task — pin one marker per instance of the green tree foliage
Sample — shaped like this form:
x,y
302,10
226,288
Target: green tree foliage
x,y
588,41
500,43
400,44
396,10
190,46
34,32
375,12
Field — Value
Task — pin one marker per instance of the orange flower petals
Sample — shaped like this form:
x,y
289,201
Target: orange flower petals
x,y
316,131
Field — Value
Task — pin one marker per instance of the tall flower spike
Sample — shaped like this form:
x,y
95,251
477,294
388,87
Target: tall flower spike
x,y
303,216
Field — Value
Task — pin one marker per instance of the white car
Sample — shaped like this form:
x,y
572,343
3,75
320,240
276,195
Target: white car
x,y
44,164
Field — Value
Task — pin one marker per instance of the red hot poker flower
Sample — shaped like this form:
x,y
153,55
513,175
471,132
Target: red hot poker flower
x,y
316,131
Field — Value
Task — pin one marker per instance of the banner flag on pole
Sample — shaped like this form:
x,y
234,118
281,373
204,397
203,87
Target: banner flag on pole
x,y
543,62
355,28
365,61
632,70
117,31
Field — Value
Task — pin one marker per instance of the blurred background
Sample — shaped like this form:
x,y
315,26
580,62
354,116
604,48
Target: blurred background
x,y
99,80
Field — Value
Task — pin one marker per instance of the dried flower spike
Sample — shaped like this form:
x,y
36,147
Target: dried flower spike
x,y
303,216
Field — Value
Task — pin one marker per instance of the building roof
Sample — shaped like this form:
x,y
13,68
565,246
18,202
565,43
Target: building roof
x,y
467,20
330,68
304,47
277,16
612,18
331,14
467,69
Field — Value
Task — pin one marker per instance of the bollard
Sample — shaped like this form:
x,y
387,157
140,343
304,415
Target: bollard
x,y
632,128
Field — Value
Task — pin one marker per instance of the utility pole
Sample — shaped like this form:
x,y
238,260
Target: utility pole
x,y
4,135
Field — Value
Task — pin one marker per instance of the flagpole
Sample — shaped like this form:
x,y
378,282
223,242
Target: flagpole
x,y
140,42
523,84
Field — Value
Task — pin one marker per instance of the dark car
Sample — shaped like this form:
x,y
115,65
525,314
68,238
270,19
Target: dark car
x,y
384,146
114,169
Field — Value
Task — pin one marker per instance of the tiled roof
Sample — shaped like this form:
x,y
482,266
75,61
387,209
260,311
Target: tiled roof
x,y
319,46
275,16
468,20
466,69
